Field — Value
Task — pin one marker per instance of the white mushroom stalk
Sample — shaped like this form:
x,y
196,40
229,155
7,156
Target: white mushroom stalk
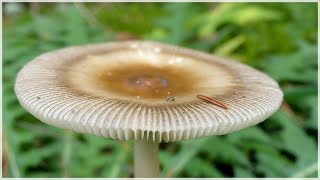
x,y
145,91
146,162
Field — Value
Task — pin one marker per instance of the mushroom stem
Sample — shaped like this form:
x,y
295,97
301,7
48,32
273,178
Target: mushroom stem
x,y
146,162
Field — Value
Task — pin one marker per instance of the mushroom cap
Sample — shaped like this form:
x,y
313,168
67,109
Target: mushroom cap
x,y
144,90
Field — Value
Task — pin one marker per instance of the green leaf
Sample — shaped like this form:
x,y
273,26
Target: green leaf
x,y
198,167
297,141
300,66
272,164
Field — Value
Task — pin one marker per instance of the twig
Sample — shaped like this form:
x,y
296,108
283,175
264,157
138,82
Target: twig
x,y
212,101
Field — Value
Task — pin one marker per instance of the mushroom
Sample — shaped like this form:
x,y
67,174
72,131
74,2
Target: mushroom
x,y
147,92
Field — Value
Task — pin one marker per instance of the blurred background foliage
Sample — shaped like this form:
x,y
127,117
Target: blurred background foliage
x,y
277,38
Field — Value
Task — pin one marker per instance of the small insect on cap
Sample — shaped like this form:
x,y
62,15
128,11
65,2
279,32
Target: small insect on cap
x,y
145,90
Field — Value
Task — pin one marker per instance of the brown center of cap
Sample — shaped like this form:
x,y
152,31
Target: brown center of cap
x,y
145,81
147,77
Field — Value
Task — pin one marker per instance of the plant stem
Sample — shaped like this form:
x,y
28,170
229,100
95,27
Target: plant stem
x,y
146,162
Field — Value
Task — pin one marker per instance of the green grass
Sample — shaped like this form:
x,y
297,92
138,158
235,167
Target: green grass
x,y
277,38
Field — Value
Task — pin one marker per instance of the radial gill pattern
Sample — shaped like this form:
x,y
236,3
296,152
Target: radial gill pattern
x,y
144,90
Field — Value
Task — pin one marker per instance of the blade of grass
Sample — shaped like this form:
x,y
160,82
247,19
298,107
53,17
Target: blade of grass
x,y
188,150
230,46
66,156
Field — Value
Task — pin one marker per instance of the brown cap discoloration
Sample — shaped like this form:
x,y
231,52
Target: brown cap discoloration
x,y
146,78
